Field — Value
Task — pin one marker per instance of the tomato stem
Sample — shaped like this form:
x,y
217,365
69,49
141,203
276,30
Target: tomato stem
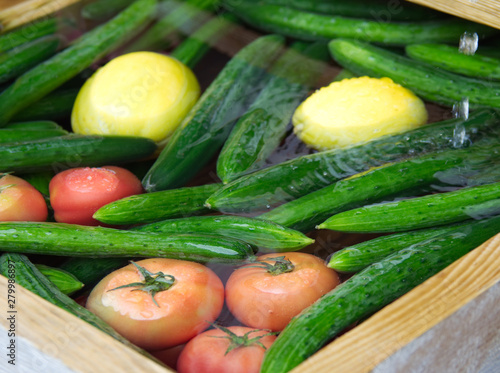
x,y
153,282
281,265
244,340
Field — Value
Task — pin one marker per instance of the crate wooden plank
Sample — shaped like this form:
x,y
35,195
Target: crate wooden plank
x,y
482,11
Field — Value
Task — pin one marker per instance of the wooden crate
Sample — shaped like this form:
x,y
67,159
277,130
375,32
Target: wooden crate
x,y
447,324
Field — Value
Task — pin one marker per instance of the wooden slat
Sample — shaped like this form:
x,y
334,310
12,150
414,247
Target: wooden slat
x,y
482,11
400,324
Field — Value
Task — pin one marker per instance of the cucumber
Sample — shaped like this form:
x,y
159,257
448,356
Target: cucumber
x,y
205,128
84,241
73,151
304,25
27,33
269,236
380,10
370,290
20,59
192,50
420,212
65,281
260,130
19,269
451,59
155,206
52,73
92,270
16,135
40,180
101,10
182,17
354,258
302,175
426,81
33,125
414,175
55,105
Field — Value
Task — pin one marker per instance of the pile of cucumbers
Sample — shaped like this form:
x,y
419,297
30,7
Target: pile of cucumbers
x,y
432,192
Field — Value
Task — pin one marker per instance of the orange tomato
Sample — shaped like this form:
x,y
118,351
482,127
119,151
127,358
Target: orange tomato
x,y
264,300
20,201
165,319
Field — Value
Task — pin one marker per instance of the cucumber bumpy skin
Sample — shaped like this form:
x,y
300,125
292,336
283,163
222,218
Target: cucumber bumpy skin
x,y
424,80
419,212
302,175
77,240
370,290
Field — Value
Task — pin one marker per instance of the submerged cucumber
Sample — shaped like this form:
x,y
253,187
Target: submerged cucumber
x,y
27,33
425,80
305,25
103,9
71,151
205,128
414,175
359,256
266,235
20,59
65,281
420,212
77,240
155,206
92,270
451,59
15,135
260,130
52,73
302,175
370,290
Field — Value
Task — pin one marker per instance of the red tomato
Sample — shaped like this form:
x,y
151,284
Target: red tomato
x,y
264,300
20,201
76,194
170,317
207,352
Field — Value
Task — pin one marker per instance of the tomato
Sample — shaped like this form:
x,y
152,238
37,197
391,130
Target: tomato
x,y
20,201
76,194
158,315
259,298
218,351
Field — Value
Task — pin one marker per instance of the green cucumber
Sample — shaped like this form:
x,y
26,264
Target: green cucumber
x,y
420,212
205,128
84,241
359,256
65,281
426,81
192,50
180,16
16,135
52,73
381,10
269,236
73,151
101,10
370,290
451,59
34,125
302,175
92,270
27,33
40,180
55,105
155,206
20,59
414,175
260,130
304,25
19,269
